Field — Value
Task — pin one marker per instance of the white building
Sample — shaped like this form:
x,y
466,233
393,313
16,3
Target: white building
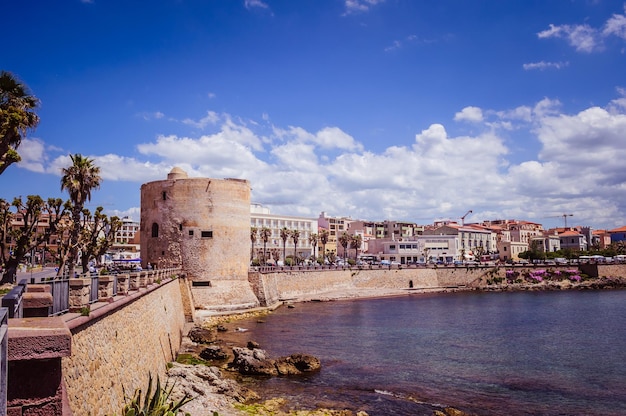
x,y
127,237
260,217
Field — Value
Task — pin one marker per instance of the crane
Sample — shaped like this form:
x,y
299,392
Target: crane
x,y
564,216
463,217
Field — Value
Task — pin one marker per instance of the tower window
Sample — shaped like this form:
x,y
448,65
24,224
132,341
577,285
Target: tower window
x,y
207,234
164,195
155,230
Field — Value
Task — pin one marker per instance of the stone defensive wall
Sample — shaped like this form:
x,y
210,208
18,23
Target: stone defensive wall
x,y
116,351
87,363
272,287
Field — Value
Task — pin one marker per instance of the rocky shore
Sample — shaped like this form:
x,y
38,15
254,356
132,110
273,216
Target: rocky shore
x,y
211,364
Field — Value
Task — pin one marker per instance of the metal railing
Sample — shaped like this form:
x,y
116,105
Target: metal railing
x,y
4,341
60,289
94,289
13,300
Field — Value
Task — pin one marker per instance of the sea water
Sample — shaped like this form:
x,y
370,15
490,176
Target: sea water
x,y
524,353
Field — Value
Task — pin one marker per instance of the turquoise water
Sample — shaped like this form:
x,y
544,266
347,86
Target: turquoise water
x,y
539,353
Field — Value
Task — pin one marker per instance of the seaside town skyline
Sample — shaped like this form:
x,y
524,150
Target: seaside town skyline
x,y
379,110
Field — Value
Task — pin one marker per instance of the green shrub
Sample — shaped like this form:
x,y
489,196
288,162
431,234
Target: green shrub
x,y
154,403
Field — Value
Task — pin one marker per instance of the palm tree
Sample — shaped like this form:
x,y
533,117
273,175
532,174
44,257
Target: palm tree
x,y
79,180
266,233
295,235
344,240
284,235
355,243
253,236
324,240
313,241
16,117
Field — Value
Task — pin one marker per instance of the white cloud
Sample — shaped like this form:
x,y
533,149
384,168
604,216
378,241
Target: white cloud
x,y
582,37
156,115
210,119
577,168
471,114
542,65
586,38
250,4
616,26
33,155
356,6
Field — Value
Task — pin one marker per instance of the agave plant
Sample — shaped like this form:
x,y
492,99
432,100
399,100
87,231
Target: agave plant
x,y
155,403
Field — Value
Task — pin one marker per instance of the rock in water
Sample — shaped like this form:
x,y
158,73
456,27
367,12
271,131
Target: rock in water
x,y
256,362
202,335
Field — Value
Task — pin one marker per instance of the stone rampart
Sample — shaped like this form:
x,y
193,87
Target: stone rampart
x,y
271,288
114,349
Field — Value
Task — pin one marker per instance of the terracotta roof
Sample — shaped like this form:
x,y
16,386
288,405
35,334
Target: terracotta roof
x,y
569,234
619,230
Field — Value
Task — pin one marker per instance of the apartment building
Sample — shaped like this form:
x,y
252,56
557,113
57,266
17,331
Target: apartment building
x,y
573,240
548,242
336,226
275,250
127,237
473,239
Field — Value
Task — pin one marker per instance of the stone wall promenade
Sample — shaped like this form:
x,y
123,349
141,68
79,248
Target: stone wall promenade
x,y
114,352
271,288
274,287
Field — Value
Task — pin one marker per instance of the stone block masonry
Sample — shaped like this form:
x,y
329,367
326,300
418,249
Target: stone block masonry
x,y
201,225
113,353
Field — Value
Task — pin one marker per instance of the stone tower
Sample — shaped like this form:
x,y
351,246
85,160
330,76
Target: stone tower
x,y
203,226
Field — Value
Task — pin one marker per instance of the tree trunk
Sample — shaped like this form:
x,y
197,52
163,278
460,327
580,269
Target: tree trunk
x,y
295,252
10,272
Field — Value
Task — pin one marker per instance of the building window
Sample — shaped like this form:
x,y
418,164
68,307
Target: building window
x,y
207,234
155,230
190,233
164,195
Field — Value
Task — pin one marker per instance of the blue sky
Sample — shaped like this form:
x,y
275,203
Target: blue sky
x,y
373,109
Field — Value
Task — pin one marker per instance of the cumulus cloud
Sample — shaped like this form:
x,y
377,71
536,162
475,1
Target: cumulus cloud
x,y
471,114
578,166
33,154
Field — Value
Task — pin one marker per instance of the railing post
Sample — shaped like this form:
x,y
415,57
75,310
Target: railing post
x,y
4,339
134,281
79,293
122,284
13,300
143,279
105,288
